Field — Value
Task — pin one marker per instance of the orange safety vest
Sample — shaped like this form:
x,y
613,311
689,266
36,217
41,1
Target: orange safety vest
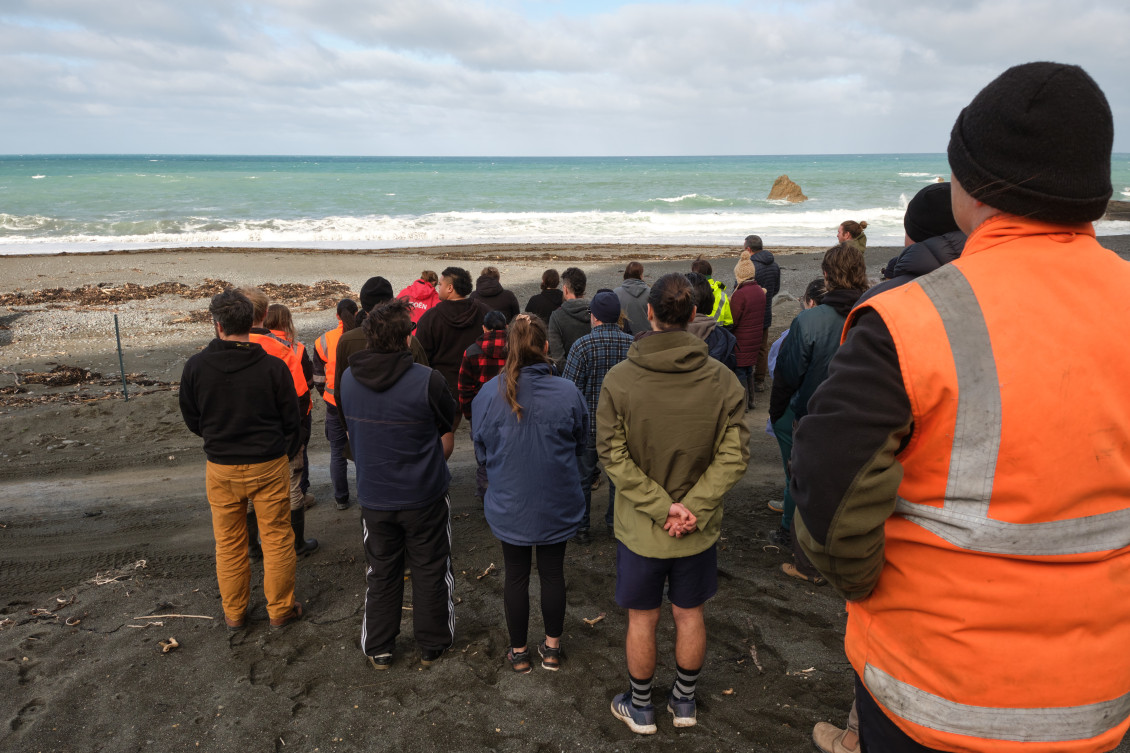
x,y
290,353
326,348
1001,618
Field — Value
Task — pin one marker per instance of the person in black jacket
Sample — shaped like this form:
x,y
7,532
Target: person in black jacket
x,y
768,276
400,417
489,291
243,403
549,299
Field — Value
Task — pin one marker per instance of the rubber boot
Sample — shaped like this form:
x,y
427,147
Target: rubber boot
x,y
254,548
302,545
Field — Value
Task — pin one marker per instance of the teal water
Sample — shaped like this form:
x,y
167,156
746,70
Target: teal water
x,y
77,203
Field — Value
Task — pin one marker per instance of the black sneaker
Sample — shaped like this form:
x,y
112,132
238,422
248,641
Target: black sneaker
x,y
429,656
782,538
582,537
381,661
342,503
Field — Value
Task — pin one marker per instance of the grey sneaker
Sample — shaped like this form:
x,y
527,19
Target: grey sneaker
x,y
682,710
640,721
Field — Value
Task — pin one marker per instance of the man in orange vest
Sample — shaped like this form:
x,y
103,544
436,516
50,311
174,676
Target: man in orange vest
x,y
325,380
962,476
301,371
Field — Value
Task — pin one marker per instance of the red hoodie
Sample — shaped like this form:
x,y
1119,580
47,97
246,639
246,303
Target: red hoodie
x,y
422,295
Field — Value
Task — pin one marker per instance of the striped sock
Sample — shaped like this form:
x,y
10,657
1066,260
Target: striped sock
x,y
685,680
641,691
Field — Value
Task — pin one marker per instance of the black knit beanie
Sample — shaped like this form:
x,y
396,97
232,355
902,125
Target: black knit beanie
x,y
1036,142
929,213
375,290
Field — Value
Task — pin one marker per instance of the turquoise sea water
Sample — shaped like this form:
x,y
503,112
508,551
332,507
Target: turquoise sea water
x,y
90,203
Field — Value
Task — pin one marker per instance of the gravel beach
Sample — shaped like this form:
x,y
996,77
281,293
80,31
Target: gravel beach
x,y
106,545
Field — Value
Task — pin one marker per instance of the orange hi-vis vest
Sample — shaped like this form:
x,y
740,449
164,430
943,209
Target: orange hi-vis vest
x,y
326,348
290,353
1001,618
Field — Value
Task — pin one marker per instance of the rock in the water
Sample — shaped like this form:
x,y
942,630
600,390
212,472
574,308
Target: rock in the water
x,y
783,188
1118,210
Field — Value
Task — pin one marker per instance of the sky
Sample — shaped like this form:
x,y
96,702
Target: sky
x,y
526,77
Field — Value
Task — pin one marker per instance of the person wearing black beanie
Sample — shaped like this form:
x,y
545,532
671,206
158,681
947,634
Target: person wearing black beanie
x,y
960,475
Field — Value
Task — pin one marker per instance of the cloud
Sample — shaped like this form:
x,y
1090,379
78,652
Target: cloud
x,y
464,77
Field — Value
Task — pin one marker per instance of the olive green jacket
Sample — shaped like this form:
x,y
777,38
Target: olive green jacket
x,y
670,428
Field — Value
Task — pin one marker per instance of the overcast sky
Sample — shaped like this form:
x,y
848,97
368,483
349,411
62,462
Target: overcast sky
x,y
526,77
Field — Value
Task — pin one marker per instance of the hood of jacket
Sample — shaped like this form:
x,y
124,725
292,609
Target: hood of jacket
x,y
925,256
635,288
419,291
702,325
230,357
764,256
488,287
379,371
841,300
667,352
576,308
459,314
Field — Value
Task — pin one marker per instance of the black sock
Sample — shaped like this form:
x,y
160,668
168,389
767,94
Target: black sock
x,y
641,691
685,680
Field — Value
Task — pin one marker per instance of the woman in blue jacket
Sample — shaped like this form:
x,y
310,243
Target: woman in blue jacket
x,y
530,426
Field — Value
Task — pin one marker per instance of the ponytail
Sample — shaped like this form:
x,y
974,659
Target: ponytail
x,y
525,347
347,312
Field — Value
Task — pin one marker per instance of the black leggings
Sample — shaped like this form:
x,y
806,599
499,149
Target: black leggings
x,y
516,589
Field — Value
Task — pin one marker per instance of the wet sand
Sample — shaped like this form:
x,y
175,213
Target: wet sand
x,y
106,528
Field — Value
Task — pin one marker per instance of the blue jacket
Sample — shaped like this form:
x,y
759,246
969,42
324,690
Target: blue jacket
x,y
534,494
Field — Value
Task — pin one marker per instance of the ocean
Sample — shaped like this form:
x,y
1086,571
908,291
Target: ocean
x,y
76,203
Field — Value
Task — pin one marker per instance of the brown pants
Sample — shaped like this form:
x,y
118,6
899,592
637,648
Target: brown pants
x,y
266,487
296,493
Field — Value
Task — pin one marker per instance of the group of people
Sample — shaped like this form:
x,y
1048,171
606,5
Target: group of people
x,y
957,457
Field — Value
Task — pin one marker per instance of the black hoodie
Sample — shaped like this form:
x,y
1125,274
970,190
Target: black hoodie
x,y
241,400
446,331
495,297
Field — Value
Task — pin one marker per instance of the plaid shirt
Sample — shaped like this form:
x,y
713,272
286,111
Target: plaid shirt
x,y
482,362
589,360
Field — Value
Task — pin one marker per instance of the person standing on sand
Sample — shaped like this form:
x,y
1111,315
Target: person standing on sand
x,y
851,231
570,322
302,372
672,436
633,298
768,276
549,299
747,305
325,381
421,295
242,402
961,475
721,309
399,416
482,362
529,428
589,361
447,330
489,291
375,291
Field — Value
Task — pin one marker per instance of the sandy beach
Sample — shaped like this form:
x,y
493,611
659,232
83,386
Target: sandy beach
x,y
106,544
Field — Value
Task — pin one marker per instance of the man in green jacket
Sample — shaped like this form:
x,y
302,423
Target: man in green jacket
x,y
671,435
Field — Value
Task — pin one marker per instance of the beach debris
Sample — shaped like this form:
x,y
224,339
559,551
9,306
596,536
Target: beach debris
x,y
170,645
6,622
116,576
802,673
728,691
490,569
93,514
590,621
71,621
167,616
38,612
785,189
753,655
60,376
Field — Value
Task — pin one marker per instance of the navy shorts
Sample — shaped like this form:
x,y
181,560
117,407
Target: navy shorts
x,y
690,580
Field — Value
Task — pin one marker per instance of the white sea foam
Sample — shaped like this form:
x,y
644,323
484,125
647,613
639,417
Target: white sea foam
x,y
916,175
38,177
688,197
1126,192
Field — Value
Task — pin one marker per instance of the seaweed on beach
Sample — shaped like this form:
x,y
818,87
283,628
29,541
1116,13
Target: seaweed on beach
x,y
103,293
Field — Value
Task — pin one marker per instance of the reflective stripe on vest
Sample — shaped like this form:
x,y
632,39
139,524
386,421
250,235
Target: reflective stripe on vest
x,y
1015,724
964,518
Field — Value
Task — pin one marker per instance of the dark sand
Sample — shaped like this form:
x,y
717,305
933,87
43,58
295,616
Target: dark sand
x,y
105,523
